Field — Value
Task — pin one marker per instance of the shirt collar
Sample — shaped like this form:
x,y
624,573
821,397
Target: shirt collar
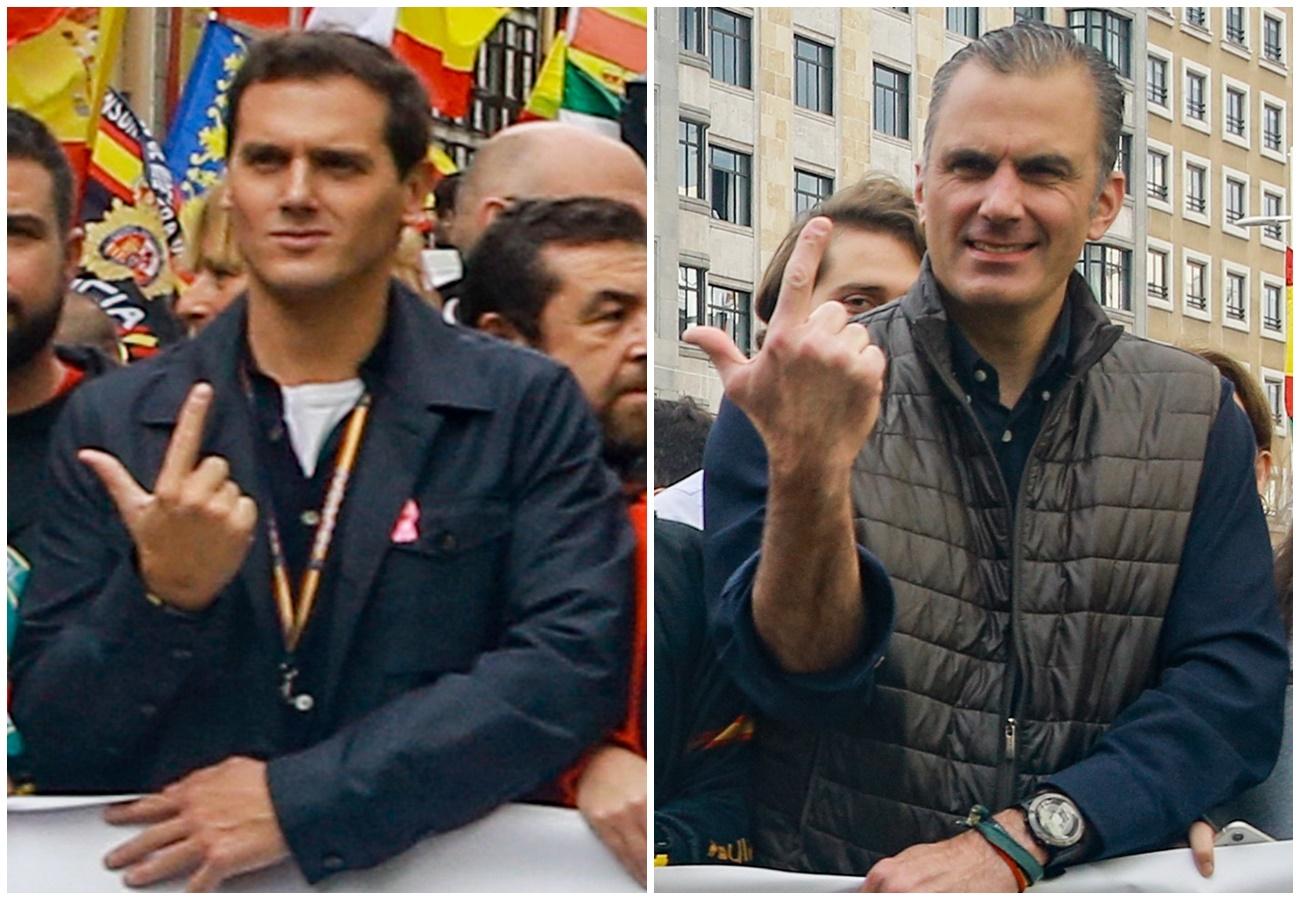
x,y
966,360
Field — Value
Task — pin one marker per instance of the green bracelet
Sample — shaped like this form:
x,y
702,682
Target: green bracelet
x,y
982,821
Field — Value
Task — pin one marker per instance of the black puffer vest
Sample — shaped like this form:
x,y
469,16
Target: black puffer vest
x,y
1003,623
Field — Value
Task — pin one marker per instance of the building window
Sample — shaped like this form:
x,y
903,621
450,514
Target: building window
x,y
1234,24
1194,15
689,281
1273,389
1273,307
1109,273
503,79
1157,81
729,180
813,75
891,102
1273,208
1157,274
1106,31
1272,127
1195,189
1272,38
690,159
1195,280
963,20
1196,96
1234,118
729,310
810,189
690,21
1234,201
729,47
1031,13
1157,175
1124,162
1234,299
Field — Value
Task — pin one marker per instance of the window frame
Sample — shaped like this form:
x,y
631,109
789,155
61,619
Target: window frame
x,y
701,167
1165,110
878,109
952,13
1161,149
716,72
1207,80
828,181
683,316
1234,273
1236,43
744,312
1207,285
1267,281
1228,176
735,176
825,84
1125,266
1106,18
701,30
1267,100
1231,86
1273,376
1155,245
1277,15
1266,239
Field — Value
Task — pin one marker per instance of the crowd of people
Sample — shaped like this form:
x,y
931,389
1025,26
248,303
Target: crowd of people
x,y
985,581
340,569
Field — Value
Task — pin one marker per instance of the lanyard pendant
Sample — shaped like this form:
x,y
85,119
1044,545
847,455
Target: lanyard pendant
x,y
301,702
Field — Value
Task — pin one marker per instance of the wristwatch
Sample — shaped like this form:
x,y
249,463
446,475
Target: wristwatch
x,y
1054,821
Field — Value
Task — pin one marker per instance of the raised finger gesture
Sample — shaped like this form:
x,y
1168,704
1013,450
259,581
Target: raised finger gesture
x,y
813,391
192,533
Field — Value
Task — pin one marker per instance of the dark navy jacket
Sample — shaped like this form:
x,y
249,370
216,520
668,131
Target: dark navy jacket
x,y
451,673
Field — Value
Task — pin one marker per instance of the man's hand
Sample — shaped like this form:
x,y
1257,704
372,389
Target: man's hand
x,y
192,533
813,391
966,863
1201,839
217,822
612,798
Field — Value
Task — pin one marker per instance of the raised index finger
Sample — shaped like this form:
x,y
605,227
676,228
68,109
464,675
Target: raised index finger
x,y
794,302
183,449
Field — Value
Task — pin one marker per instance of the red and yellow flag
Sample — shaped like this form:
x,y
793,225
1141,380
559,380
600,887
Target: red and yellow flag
x,y
613,33
441,44
59,61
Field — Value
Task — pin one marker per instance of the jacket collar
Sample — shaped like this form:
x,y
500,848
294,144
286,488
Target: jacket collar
x,y
426,362
1092,331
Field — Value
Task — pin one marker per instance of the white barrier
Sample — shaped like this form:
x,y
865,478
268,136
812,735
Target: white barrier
x,y
57,846
1252,868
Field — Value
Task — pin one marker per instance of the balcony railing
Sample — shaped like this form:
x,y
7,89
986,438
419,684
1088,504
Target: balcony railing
x,y
1158,191
1273,321
1196,302
1157,290
1273,140
1196,109
1236,125
1273,52
1196,204
1157,94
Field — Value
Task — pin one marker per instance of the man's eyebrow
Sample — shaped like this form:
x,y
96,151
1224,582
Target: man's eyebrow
x,y
29,222
359,158
1046,162
863,286
624,298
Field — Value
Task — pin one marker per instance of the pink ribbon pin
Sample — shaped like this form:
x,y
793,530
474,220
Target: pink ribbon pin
x,y
406,530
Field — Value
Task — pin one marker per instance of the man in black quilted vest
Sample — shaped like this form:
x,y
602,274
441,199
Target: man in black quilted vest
x,y
995,572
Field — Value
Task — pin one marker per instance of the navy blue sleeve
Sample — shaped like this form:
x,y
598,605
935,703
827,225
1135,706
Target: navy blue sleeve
x,y
1211,726
735,502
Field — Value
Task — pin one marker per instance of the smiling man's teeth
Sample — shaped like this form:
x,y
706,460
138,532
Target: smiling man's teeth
x,y
999,248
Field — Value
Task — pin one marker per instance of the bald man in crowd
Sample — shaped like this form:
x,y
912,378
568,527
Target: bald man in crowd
x,y
536,161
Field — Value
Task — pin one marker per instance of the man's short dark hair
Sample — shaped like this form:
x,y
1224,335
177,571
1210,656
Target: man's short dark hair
x,y
314,55
445,191
681,429
30,139
505,273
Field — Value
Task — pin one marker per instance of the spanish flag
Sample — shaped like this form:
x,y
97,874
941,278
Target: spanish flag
x,y
441,44
59,61
613,33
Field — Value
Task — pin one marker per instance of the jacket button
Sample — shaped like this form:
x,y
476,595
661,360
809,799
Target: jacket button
x,y
148,710
447,541
181,654
332,862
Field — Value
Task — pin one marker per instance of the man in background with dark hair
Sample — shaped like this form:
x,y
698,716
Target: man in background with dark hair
x,y
346,575
444,206
568,278
44,247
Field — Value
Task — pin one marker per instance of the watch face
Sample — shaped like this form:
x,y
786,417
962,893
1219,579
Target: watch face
x,y
1058,820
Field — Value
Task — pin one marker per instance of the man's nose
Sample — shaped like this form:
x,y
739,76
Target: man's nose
x,y
1003,199
298,186
638,337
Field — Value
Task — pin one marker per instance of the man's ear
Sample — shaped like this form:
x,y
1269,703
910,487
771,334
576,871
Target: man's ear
x,y
918,190
416,185
1107,205
72,253
498,325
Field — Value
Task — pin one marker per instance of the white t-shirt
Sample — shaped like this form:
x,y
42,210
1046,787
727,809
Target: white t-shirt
x,y
312,410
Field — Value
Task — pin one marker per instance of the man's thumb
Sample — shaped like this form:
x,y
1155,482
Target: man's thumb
x,y
124,490
722,350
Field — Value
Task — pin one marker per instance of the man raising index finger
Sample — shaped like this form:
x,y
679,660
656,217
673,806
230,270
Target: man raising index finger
x,y
1041,515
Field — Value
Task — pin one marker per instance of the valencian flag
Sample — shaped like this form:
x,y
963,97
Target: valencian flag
x,y
196,144
588,86
58,62
132,232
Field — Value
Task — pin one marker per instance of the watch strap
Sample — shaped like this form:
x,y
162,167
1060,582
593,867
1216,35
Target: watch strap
x,y
992,831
